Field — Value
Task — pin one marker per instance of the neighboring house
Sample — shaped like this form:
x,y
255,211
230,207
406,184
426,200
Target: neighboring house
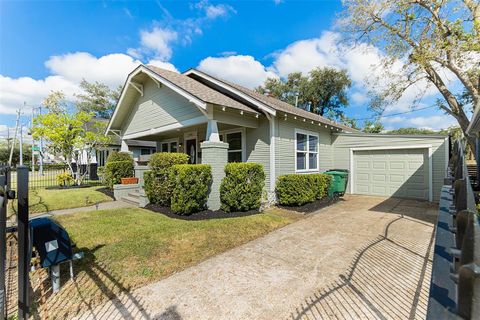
x,y
216,121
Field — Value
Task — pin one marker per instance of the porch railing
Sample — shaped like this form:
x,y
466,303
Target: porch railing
x,y
455,284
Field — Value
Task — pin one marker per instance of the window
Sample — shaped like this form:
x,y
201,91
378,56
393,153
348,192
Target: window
x,y
235,145
145,151
306,151
169,146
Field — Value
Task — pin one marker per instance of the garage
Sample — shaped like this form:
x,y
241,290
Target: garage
x,y
386,165
400,173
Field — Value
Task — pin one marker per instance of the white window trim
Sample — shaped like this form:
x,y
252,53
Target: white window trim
x,y
244,141
311,133
168,141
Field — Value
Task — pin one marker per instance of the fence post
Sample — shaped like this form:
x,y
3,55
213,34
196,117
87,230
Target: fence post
x,y
3,239
23,242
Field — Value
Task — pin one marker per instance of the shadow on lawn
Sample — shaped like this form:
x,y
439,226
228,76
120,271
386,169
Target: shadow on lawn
x,y
34,200
388,279
93,285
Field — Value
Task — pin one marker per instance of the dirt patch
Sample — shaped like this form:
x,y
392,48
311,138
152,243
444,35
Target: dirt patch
x,y
202,215
312,206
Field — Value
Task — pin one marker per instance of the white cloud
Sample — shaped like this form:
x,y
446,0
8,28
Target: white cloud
x,y
66,73
241,69
163,65
157,42
431,122
215,11
110,69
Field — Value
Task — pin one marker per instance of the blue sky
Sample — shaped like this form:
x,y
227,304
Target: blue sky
x,y
53,45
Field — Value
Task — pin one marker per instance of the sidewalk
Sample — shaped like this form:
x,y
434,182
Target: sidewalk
x,y
101,206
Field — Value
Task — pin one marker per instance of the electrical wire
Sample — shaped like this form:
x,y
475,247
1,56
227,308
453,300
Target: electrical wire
x,y
396,114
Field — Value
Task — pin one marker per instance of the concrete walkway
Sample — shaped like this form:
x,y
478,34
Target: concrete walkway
x,y
363,258
101,206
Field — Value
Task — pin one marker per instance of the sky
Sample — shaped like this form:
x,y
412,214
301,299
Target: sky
x,y
53,45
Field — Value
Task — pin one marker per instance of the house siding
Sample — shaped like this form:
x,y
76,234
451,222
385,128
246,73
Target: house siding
x,y
285,145
258,146
157,108
342,143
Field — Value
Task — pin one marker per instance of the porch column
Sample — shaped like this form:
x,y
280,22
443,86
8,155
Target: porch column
x,y
215,153
124,146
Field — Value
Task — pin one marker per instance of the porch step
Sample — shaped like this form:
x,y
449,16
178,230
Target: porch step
x,y
134,194
132,200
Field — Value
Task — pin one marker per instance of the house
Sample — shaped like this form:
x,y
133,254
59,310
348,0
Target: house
x,y
216,121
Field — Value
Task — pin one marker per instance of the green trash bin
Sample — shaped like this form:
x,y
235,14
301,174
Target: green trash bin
x,y
339,183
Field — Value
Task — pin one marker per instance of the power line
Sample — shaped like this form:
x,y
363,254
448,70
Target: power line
x,y
398,113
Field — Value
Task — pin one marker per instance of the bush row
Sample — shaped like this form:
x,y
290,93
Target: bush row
x,y
172,182
299,189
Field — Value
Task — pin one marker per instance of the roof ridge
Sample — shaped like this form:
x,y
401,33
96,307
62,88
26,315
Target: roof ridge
x,y
272,101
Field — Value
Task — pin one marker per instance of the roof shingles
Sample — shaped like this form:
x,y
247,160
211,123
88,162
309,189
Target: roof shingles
x,y
200,90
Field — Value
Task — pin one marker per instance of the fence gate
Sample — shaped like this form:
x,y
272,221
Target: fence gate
x,y
6,193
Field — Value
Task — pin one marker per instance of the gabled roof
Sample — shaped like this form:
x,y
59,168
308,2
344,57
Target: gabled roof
x,y
196,92
200,90
271,102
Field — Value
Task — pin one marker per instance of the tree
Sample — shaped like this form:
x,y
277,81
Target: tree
x,y
437,39
55,102
97,98
73,136
5,153
372,126
410,130
323,91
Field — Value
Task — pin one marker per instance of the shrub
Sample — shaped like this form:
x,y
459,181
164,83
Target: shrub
x,y
158,187
299,189
119,156
101,174
64,179
241,189
191,183
116,170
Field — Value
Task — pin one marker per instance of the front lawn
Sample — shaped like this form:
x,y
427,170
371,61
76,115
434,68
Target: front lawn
x,y
43,200
128,248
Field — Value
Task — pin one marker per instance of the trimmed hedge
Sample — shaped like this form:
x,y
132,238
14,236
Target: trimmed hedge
x,y
299,189
116,170
119,156
241,188
191,183
158,186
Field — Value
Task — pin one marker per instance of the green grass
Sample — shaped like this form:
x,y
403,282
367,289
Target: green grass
x,y
128,248
43,200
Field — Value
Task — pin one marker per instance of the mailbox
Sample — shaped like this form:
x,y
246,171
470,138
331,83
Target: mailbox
x,y
51,241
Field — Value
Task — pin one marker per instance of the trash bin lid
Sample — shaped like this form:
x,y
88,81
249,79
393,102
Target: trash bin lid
x,y
337,173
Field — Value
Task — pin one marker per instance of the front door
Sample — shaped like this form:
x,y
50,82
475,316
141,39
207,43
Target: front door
x,y
191,150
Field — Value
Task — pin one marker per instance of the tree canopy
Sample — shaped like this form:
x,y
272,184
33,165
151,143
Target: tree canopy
x,y
97,98
73,136
426,42
323,91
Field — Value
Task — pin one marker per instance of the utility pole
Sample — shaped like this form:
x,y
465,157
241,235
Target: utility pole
x,y
14,138
21,144
41,145
33,140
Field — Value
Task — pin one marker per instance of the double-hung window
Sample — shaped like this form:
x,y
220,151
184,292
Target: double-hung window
x,y
235,142
306,151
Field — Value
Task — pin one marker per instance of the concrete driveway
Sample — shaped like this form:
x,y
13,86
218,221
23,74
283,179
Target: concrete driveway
x,y
363,258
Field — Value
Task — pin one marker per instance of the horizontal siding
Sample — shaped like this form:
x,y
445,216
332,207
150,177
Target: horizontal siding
x,y
258,147
285,145
342,143
157,108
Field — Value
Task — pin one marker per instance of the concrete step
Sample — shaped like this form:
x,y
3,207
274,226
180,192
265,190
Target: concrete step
x,y
134,194
132,200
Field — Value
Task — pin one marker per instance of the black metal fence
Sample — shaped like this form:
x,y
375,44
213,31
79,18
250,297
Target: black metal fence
x,y
455,285
7,193
47,176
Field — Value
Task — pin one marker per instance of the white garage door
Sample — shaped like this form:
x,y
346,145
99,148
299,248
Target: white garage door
x,y
398,173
